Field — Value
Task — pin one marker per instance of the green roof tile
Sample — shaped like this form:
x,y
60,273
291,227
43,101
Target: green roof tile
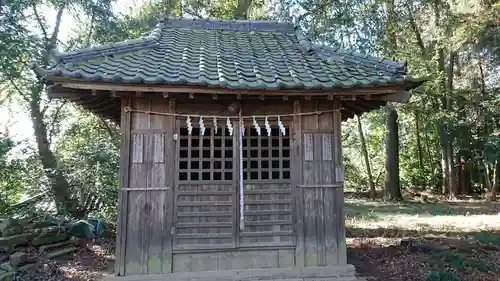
x,y
230,54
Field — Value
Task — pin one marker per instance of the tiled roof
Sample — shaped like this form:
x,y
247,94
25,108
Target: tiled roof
x,y
229,54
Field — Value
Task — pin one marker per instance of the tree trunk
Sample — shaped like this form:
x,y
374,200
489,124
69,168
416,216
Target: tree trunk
x,y
419,144
452,173
496,184
460,175
58,183
241,12
487,177
364,151
392,156
466,187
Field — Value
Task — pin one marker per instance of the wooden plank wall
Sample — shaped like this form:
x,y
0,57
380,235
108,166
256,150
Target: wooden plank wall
x,y
146,226
233,259
319,187
145,217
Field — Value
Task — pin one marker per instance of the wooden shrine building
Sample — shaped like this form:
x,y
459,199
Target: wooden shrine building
x,y
231,159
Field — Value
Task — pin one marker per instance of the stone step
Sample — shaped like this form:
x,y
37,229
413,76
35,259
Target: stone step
x,y
61,252
54,246
29,267
12,241
49,237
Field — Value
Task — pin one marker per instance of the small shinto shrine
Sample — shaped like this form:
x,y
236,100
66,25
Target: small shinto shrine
x,y
231,159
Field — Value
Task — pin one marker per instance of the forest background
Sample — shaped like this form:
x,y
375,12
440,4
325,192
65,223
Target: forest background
x,y
446,140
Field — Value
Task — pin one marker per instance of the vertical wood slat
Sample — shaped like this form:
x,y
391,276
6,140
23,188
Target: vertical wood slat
x,y
171,180
298,193
147,220
123,195
339,178
236,179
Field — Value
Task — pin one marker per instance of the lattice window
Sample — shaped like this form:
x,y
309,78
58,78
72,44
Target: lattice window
x,y
207,157
266,157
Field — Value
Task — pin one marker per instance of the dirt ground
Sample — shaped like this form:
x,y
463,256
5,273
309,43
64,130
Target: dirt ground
x,y
409,241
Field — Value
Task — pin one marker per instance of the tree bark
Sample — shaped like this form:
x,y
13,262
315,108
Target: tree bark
x,y
419,143
241,12
496,184
366,157
452,172
58,182
392,156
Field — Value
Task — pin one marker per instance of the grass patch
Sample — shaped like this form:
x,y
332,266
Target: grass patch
x,y
394,219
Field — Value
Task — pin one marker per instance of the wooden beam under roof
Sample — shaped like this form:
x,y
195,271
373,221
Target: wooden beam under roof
x,y
358,91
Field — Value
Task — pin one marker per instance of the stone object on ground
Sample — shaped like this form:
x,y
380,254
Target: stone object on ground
x,y
50,247
18,259
4,256
61,252
49,237
9,227
9,242
82,229
29,267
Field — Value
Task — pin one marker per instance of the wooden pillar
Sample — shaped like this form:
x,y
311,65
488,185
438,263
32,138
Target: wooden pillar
x,y
319,190
339,180
124,183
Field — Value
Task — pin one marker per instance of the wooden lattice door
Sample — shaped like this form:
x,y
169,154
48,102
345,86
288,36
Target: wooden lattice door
x,y
206,194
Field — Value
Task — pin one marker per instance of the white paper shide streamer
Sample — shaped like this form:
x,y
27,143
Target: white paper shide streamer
x,y
256,126
189,125
215,124
202,126
282,128
268,127
229,126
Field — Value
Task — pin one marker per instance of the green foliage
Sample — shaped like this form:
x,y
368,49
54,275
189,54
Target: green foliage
x,y
88,155
443,276
487,237
85,147
11,175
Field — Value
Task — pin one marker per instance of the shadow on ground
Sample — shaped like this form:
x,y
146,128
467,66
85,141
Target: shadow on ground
x,y
362,208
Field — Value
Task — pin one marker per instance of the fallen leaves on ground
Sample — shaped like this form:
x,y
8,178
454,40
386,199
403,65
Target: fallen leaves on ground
x,y
89,264
392,259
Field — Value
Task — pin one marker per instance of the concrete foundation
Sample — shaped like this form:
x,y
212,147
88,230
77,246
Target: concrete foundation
x,y
324,273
